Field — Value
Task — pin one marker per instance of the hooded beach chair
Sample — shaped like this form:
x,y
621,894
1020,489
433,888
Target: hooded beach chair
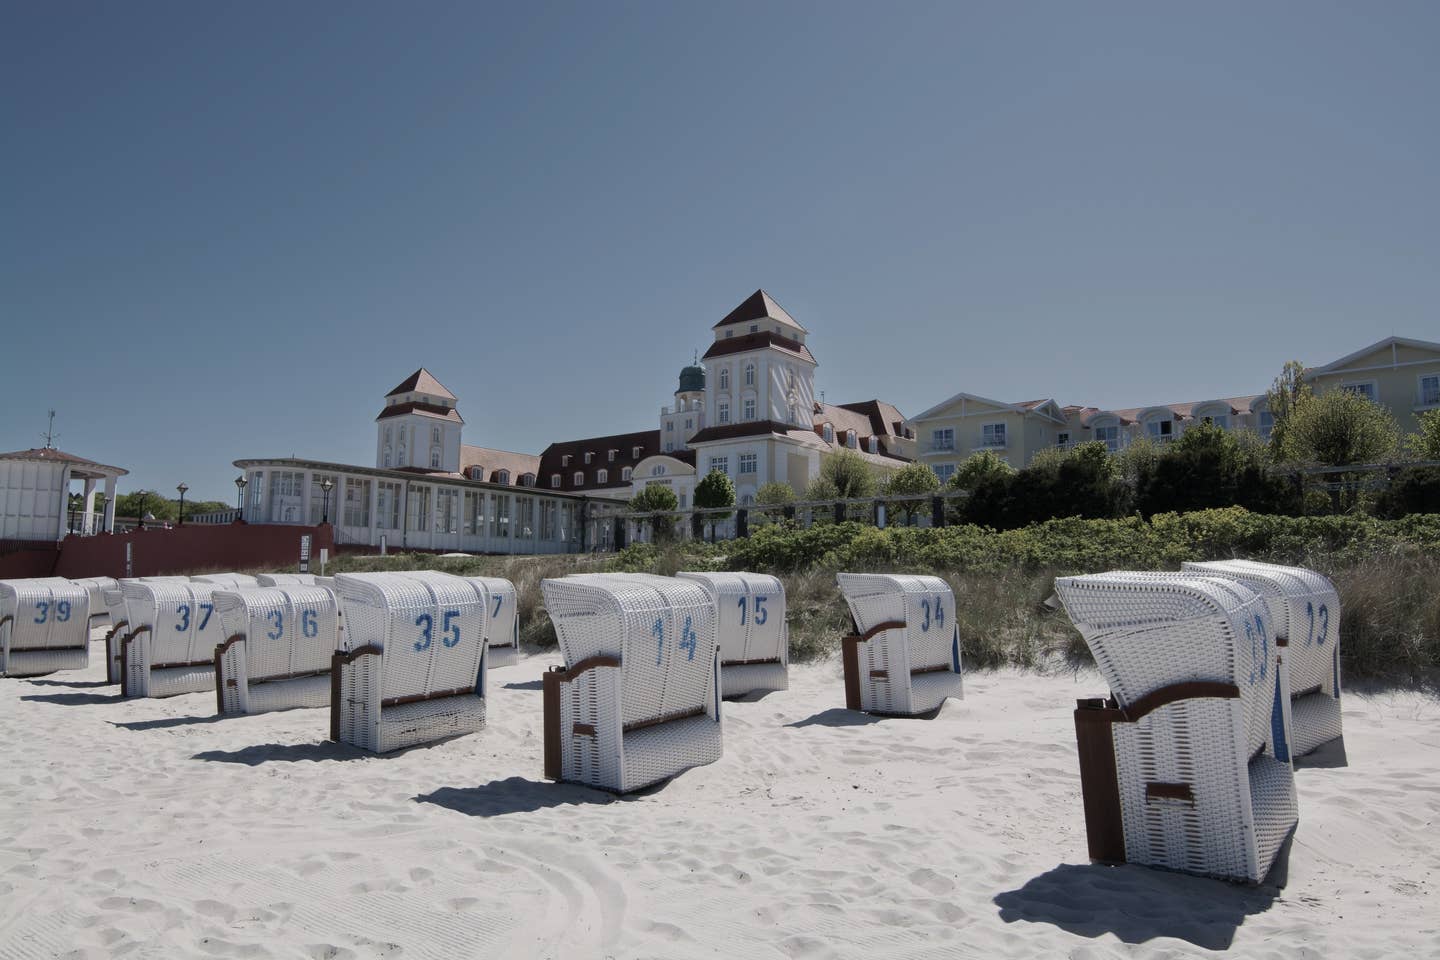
x,y
1186,765
99,613
412,664
638,700
1305,609
751,630
169,646
227,580
44,626
285,579
279,644
114,598
904,657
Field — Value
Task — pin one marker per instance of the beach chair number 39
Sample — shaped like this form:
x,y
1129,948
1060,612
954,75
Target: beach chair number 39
x,y
449,630
687,639
62,610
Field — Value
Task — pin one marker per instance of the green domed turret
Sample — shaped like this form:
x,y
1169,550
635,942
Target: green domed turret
x,y
692,379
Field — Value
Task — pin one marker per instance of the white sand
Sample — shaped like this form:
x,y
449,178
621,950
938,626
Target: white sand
x,y
152,829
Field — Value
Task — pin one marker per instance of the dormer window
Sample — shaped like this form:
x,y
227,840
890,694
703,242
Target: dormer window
x,y
829,433
565,460
872,445
612,453
579,478
625,473
477,473
527,479
555,481
502,476
851,439
589,457
602,475
635,452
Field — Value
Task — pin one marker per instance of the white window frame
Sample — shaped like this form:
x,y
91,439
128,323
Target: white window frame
x,y
872,445
477,473
1369,389
602,475
720,463
748,410
942,438
626,473
1111,443
579,478
852,439
724,378
752,461
944,471
724,411
994,436
1420,390
749,374
828,432
635,452
502,476
554,481
589,457
1154,429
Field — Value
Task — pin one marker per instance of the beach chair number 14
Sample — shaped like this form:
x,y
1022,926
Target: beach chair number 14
x,y
62,611
687,643
449,630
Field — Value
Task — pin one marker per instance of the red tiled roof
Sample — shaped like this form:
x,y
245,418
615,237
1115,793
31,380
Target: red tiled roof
x,y
492,461
423,409
758,306
756,341
50,454
422,382
748,428
624,444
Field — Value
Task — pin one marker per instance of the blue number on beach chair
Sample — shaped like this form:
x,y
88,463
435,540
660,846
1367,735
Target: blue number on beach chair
x,y
278,618
761,614
659,632
426,623
62,610
205,610
1324,624
452,629
183,611
498,601
44,607
688,638
308,624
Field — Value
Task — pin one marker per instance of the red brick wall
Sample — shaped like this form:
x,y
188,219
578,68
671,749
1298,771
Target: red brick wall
x,y
194,548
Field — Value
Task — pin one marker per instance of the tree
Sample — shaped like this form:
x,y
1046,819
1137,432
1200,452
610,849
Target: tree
x,y
142,502
978,467
822,488
1424,444
1284,397
714,490
850,474
1339,428
915,482
657,497
775,494
1209,466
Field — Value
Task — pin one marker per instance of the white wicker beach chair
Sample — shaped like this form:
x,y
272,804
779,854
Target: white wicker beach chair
x,y
1305,608
1186,766
502,616
286,579
751,629
412,665
638,700
44,626
279,644
99,613
169,647
114,598
904,658
229,580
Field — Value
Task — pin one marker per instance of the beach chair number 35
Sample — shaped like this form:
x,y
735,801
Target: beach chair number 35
x,y
939,618
449,630
687,639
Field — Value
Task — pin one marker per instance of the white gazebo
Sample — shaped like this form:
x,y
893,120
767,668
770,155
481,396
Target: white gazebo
x,y
34,493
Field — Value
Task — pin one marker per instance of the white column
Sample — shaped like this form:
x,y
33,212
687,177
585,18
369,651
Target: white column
x,y
110,504
305,498
87,526
60,527
374,510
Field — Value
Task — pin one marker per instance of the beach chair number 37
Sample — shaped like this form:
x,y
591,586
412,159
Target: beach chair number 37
x,y
449,630
687,639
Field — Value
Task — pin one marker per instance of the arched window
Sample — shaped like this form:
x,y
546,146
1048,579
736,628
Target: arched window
x,y
829,433
434,434
602,475
850,439
579,478
749,374
527,479
625,473
477,472
387,456
502,476
555,481
724,412
401,461
389,435
434,458
724,378
657,470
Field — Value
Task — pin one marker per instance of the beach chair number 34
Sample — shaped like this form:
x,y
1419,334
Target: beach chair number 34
x,y
687,639
449,630
939,619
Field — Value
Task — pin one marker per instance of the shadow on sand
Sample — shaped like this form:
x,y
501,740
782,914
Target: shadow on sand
x,y
1330,756
516,795
844,717
526,685
166,722
1138,904
287,753
75,699
74,684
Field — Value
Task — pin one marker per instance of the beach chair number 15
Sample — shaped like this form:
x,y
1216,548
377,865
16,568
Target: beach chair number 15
x,y
761,614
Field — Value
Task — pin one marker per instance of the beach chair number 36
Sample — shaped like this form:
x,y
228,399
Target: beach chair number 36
x,y
687,639
449,630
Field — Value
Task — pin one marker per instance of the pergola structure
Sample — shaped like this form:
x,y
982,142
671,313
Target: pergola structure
x,y
35,488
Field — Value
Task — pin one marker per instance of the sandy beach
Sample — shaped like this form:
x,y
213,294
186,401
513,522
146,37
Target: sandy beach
x,y
152,828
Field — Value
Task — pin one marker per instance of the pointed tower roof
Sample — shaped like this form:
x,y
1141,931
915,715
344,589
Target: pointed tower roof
x,y
421,381
759,306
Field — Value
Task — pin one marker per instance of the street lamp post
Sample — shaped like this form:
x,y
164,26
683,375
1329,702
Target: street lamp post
x,y
140,513
240,483
74,505
326,485
182,488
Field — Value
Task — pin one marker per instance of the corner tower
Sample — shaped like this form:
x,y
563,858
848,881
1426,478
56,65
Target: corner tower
x,y
759,367
419,426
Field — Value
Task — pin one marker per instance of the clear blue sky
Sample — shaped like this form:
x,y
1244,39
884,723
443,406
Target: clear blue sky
x,y
228,229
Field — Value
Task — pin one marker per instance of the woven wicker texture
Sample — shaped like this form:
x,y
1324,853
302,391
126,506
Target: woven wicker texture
x,y
898,672
285,579
290,634
231,580
430,627
751,625
1306,610
119,626
662,630
49,629
97,587
182,636
1148,632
